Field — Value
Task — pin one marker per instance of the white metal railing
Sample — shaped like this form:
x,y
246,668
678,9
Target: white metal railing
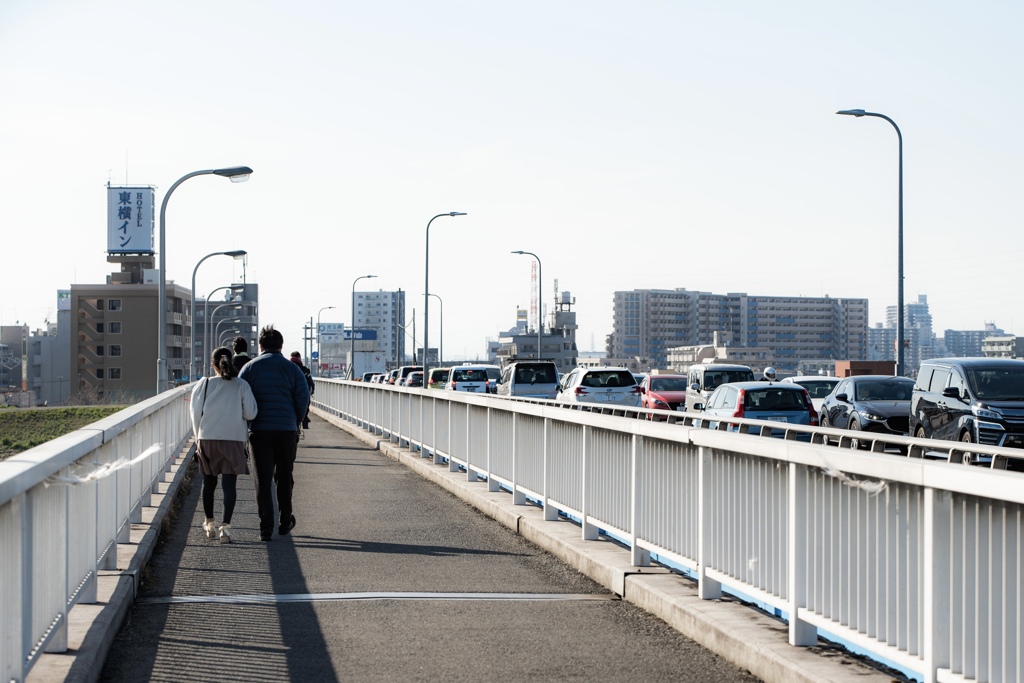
x,y
913,560
64,507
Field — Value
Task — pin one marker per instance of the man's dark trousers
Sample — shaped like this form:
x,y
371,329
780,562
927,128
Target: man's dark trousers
x,y
273,458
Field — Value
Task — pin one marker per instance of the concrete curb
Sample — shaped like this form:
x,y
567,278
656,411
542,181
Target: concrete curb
x,y
744,636
92,628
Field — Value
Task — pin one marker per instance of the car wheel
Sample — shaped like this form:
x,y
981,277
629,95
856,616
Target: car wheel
x,y
919,434
855,444
968,457
823,422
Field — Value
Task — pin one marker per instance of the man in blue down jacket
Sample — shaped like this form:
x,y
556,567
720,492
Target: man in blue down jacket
x,y
282,398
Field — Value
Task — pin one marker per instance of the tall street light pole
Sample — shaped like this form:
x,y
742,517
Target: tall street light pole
x,y
207,327
192,309
319,355
540,297
351,371
237,174
426,296
440,344
900,368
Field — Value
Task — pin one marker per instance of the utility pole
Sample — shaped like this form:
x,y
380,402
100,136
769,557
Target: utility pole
x,y
307,339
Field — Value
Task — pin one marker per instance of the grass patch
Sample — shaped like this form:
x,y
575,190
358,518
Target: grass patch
x,y
25,428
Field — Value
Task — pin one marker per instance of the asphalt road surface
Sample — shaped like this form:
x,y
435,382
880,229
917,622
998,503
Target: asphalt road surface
x,y
386,577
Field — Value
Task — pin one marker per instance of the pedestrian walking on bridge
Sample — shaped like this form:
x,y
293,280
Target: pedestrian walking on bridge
x,y
220,407
282,398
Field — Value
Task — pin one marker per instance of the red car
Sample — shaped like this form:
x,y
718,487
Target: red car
x,y
663,392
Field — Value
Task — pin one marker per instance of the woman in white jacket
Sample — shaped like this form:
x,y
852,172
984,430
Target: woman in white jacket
x,y
221,408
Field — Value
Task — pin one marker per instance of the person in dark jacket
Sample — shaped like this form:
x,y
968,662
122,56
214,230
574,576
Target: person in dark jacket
x,y
296,358
282,398
240,347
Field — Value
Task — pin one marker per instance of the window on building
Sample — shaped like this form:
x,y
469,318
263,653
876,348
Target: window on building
x,y
99,350
99,373
113,304
114,350
114,373
114,328
99,327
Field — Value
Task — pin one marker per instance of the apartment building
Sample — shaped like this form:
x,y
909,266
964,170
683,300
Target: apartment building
x,y
647,323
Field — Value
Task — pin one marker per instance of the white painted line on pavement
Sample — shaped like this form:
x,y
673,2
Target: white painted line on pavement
x,y
407,595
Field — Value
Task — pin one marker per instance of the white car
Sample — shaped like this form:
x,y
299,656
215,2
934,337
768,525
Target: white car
x,y
608,385
468,378
817,386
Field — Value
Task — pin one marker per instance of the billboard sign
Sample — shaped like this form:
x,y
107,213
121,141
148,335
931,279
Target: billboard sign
x,y
131,216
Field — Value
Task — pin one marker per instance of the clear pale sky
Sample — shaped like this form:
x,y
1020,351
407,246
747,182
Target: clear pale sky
x,y
630,145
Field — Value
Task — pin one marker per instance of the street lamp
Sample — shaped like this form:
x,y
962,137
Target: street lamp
x,y
352,330
237,174
319,355
899,248
440,344
227,334
237,254
207,327
232,321
426,295
540,297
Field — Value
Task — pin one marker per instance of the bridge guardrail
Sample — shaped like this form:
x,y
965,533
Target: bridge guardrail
x,y
916,561
64,507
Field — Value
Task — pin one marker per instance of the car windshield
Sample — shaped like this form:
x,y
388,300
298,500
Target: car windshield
x,y
668,384
997,383
535,374
884,390
608,379
715,377
818,388
774,398
493,374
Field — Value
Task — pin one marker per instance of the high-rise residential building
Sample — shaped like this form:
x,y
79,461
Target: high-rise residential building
x,y
967,343
383,314
646,323
919,340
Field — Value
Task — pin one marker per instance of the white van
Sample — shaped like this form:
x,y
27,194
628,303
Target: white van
x,y
529,379
468,378
704,379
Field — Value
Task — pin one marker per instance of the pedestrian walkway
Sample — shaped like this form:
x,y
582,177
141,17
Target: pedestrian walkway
x,y
385,577
399,569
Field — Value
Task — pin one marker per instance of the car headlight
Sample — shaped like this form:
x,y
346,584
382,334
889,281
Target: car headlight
x,y
873,417
986,414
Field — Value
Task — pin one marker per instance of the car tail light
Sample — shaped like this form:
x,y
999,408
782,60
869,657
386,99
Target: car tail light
x,y
810,407
740,400
452,385
635,389
581,391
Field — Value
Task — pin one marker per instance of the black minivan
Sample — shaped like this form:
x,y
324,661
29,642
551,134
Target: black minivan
x,y
972,400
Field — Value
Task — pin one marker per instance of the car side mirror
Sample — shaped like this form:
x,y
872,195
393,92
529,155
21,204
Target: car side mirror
x,y
844,397
951,392
694,387
643,390
697,407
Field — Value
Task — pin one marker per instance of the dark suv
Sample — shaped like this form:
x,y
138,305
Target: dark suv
x,y
972,400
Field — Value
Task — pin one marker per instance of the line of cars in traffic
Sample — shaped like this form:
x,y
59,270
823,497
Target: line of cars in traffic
x,y
970,400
